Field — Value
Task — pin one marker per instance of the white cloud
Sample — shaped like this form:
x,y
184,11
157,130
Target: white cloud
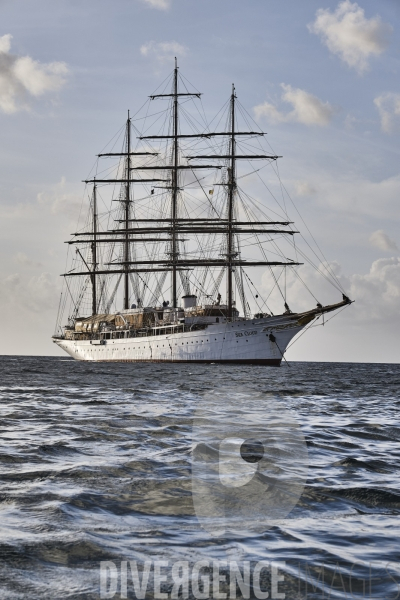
x,y
350,35
366,331
388,106
22,77
5,43
353,195
381,240
376,293
43,293
307,108
304,188
36,294
60,201
163,51
23,259
160,4
268,110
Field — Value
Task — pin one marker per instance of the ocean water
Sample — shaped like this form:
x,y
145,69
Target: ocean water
x,y
96,466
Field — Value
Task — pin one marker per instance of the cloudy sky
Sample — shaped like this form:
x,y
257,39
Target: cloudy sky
x,y
321,77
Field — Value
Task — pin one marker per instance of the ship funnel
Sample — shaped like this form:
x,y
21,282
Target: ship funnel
x,y
189,301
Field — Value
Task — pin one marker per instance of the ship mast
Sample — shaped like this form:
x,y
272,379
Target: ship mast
x,y
94,251
175,187
231,200
127,211
174,226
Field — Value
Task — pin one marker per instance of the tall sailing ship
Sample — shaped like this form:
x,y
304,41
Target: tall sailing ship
x,y
162,270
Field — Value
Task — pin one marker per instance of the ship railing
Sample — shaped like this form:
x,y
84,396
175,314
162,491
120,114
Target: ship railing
x,y
165,329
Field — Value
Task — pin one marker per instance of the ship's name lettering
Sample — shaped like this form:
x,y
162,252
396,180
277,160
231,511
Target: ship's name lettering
x,y
245,333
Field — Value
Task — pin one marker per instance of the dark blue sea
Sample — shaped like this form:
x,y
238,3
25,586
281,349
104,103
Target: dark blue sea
x,y
96,482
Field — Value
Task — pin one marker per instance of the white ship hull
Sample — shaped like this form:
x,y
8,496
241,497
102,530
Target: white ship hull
x,y
243,341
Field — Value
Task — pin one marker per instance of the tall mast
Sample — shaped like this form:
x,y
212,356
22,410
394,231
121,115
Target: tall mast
x,y
228,226
231,201
94,251
127,211
175,182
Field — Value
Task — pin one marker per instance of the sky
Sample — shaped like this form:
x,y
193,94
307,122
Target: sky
x,y
321,77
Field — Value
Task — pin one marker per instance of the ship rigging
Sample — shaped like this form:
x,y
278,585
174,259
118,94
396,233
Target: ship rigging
x,y
182,234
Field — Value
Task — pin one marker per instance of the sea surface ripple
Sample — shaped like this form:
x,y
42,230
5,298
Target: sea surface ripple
x,y
95,465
